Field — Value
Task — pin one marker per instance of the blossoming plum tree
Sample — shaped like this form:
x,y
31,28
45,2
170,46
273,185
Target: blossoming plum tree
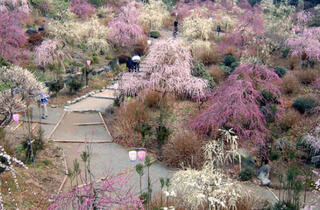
x,y
82,8
168,69
19,85
125,29
236,104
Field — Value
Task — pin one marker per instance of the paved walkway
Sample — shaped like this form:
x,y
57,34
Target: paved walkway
x,y
106,156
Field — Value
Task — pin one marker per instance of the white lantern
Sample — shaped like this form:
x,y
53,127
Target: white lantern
x,y
133,156
88,62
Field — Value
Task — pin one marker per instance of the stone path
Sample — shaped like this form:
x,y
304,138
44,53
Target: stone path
x,y
104,156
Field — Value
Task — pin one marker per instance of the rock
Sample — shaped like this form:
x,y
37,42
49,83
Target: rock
x,y
53,106
70,70
283,144
77,56
263,175
31,31
68,102
316,160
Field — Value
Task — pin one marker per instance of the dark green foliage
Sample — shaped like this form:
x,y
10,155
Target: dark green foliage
x,y
304,104
154,34
3,62
229,64
228,60
270,112
98,3
253,2
162,133
285,51
315,22
280,71
4,161
75,85
145,130
268,97
31,149
275,155
199,70
170,3
282,205
56,86
246,174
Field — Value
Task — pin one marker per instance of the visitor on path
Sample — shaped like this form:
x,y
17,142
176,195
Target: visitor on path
x,y
136,62
130,65
44,111
175,30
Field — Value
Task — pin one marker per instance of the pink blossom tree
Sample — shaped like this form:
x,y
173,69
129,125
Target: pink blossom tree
x,y
82,8
12,36
125,29
168,69
111,193
236,104
49,52
305,42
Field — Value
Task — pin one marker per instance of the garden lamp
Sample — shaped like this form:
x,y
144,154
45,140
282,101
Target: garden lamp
x,y
16,118
88,62
133,155
142,154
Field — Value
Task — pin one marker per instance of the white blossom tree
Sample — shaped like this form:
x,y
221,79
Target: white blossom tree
x,y
18,85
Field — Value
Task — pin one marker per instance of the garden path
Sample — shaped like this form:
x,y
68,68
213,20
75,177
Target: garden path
x,y
106,156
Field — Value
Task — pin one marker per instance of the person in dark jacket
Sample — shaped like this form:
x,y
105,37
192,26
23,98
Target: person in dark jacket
x,y
130,65
175,26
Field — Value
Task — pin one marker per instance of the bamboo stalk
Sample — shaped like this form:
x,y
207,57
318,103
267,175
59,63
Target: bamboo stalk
x,y
63,183
18,126
54,129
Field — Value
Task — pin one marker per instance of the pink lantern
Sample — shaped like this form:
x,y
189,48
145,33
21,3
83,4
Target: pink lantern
x,y
88,62
16,117
133,156
142,155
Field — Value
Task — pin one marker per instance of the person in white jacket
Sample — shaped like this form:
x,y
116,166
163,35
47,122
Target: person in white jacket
x,y
136,60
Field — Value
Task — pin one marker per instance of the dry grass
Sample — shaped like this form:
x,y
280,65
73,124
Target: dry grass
x,y
290,118
306,76
294,62
290,84
217,73
128,116
205,52
183,149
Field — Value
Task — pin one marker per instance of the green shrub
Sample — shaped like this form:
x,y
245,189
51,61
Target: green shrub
x,y
154,34
31,149
46,162
268,97
246,174
98,3
3,62
274,155
229,64
228,60
199,70
284,205
56,86
304,104
75,85
280,71
285,51
95,59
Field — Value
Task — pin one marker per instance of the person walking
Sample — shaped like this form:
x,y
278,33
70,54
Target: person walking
x,y
44,100
136,61
175,28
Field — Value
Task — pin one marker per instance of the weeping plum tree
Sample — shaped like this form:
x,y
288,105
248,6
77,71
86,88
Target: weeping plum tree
x,y
125,29
236,104
168,69
82,8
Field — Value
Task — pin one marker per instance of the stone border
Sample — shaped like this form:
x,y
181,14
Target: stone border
x,y
90,94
